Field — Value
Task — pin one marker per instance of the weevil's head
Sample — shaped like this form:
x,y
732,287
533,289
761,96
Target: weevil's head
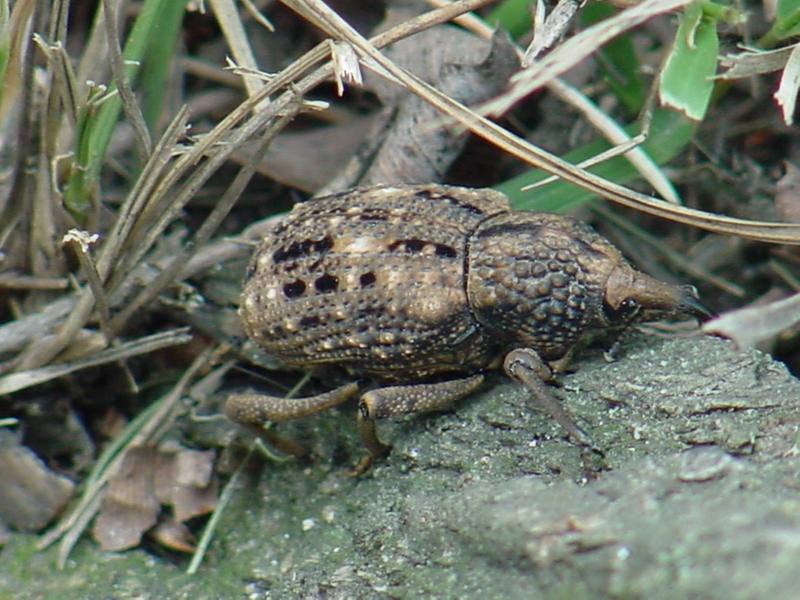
x,y
632,296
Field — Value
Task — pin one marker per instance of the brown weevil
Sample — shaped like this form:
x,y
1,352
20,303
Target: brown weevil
x,y
422,288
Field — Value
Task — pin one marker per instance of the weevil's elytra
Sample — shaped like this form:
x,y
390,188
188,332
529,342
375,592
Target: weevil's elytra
x,y
374,281
426,286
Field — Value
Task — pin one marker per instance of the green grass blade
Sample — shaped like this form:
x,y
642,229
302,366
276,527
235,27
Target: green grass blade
x,y
670,132
512,15
686,82
156,18
157,64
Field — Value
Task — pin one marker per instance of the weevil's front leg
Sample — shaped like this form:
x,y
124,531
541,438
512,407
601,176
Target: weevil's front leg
x,y
525,366
402,400
254,410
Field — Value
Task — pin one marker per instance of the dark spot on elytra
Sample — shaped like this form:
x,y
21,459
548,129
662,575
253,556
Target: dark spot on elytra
x,y
302,248
290,252
414,245
433,195
445,251
367,216
295,288
326,283
251,269
411,245
310,321
323,245
367,279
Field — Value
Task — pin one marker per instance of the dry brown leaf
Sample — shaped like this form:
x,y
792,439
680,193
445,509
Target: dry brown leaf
x,y
410,144
184,482
129,506
173,535
754,62
190,502
755,324
30,494
307,160
149,478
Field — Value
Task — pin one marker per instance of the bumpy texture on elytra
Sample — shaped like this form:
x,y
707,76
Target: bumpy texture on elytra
x,y
401,283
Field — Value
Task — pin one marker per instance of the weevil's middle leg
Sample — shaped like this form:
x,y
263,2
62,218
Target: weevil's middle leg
x,y
525,366
254,410
402,400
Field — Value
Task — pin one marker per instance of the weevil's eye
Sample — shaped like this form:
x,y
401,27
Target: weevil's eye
x,y
624,313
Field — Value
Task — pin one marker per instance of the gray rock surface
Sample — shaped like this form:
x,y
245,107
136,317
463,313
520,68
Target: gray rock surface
x,y
698,498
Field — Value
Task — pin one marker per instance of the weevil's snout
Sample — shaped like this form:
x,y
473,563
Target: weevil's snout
x,y
628,290
689,304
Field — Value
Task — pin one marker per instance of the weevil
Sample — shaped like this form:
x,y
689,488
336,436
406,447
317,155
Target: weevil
x,y
424,288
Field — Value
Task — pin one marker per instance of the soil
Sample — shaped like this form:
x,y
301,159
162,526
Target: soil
x,y
697,497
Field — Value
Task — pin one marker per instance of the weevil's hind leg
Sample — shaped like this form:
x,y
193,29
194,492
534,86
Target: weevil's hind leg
x,y
254,410
525,366
402,400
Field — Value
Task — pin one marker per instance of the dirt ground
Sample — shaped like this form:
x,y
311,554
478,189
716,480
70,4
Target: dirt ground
x,y
698,498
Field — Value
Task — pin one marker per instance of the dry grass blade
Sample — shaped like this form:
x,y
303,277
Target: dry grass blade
x,y
749,63
139,198
547,31
17,29
232,28
27,282
646,167
786,96
536,157
39,354
80,242
64,88
576,49
209,226
25,379
129,103
259,18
